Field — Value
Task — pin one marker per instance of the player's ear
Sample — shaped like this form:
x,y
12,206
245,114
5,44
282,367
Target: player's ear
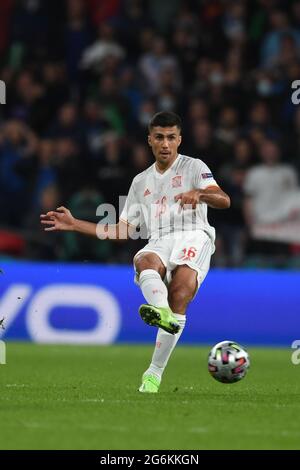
x,y
149,140
179,140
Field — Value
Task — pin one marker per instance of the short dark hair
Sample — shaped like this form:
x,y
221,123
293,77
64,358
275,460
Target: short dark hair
x,y
165,119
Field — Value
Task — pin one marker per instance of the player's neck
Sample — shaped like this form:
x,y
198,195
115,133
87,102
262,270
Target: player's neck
x,y
163,167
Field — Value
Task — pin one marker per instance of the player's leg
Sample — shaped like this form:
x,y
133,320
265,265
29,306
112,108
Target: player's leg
x,y
150,270
182,288
150,273
181,291
187,276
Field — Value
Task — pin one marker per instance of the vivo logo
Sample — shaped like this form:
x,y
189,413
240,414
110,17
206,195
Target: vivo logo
x,y
41,304
2,92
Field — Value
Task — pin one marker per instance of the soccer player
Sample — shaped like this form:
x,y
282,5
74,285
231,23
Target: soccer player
x,y
170,199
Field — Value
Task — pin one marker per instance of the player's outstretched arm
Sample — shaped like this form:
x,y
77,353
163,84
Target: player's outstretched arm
x,y
62,220
213,196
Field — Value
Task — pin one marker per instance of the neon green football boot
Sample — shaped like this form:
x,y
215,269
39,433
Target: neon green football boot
x,y
150,384
159,316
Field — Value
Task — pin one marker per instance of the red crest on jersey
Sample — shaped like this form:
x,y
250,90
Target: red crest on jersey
x,y
147,192
177,181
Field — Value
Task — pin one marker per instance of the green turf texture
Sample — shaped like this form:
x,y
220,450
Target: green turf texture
x,y
69,397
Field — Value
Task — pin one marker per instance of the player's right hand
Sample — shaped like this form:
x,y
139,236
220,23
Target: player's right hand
x,y
61,219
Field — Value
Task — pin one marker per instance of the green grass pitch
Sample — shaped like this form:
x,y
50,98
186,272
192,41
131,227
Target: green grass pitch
x,y
68,397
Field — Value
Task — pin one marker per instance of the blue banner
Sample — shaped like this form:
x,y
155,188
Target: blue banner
x,y
98,304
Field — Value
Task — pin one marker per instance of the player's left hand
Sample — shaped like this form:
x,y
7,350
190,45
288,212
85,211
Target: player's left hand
x,y
61,219
189,199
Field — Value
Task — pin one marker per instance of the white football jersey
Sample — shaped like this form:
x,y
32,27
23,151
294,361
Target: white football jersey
x,y
150,201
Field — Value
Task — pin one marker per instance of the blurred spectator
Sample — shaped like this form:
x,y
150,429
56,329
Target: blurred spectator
x,y
83,205
271,188
260,118
201,76
43,174
38,243
162,13
30,102
153,63
112,172
129,89
234,21
267,184
202,144
31,25
231,232
67,124
280,27
186,42
141,158
95,127
228,129
104,47
146,110
134,23
289,52
71,174
17,144
6,9
295,10
56,87
197,110
115,105
77,36
102,11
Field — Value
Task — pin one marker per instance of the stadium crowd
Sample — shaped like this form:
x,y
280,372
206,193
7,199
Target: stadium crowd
x,y
83,78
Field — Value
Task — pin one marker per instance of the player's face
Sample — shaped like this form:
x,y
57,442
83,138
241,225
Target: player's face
x,y
164,142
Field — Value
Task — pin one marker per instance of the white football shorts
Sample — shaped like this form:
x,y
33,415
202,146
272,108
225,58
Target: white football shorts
x,y
193,248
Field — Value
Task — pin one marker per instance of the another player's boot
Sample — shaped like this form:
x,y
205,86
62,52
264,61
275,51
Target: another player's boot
x,y
150,383
159,316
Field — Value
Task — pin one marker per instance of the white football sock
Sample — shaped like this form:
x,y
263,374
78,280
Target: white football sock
x,y
165,343
153,288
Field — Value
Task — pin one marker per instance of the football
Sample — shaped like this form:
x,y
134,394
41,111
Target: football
x,y
228,362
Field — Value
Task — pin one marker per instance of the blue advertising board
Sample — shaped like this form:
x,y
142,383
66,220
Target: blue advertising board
x,y
98,304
